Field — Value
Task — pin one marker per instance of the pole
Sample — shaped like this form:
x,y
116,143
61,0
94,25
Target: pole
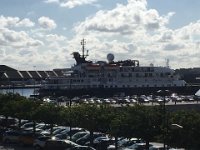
x,y
34,86
164,93
164,117
70,126
70,104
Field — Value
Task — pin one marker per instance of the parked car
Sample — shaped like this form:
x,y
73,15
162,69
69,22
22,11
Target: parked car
x,y
28,138
79,135
81,148
11,136
47,131
73,131
39,143
7,122
139,146
158,146
59,144
87,138
28,125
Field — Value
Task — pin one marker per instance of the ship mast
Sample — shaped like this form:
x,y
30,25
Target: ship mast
x,y
83,43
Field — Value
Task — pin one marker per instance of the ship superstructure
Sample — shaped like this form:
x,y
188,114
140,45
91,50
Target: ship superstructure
x,y
111,77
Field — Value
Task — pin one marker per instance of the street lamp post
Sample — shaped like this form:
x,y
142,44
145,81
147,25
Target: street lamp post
x,y
34,85
175,133
70,126
70,105
164,93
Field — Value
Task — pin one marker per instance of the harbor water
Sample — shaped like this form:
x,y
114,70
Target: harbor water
x,y
22,91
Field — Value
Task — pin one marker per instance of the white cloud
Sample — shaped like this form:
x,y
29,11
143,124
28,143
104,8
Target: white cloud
x,y
8,21
51,1
141,33
129,31
25,23
11,38
47,23
55,37
174,46
15,22
71,3
124,19
191,31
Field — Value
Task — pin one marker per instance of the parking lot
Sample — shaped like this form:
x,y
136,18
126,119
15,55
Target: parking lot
x,y
14,147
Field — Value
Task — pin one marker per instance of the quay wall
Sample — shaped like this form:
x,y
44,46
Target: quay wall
x,y
186,106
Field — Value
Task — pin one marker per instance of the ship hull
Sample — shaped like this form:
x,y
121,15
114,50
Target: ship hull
x,y
108,92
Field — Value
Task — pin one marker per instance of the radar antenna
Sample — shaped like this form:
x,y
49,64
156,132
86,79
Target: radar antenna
x,y
83,43
167,63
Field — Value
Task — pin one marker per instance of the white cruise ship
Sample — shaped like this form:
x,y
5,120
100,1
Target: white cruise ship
x,y
108,78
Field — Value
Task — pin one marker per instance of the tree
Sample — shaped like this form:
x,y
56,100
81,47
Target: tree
x,y
47,113
7,104
144,122
189,135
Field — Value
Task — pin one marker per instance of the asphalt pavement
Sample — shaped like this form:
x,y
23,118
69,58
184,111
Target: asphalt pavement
x,y
14,147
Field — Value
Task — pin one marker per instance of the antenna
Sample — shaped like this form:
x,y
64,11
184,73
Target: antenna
x,y
167,63
83,43
87,53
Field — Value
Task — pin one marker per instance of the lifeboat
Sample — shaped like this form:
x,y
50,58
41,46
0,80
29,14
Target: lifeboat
x,y
93,67
111,67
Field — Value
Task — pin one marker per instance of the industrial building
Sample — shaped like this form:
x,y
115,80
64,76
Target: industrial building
x,y
12,77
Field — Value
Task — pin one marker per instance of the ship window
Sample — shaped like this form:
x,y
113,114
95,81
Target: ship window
x,y
174,84
91,76
116,86
147,85
135,85
111,86
133,69
122,75
155,85
123,86
130,74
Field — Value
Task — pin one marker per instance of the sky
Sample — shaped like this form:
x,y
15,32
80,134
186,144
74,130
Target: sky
x,y
43,34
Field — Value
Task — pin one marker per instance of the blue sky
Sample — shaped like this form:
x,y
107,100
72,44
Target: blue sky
x,y
43,33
